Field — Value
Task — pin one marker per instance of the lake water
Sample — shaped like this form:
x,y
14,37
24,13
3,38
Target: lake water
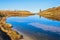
x,y
36,27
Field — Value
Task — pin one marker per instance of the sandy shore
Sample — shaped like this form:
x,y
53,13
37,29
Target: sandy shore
x,y
25,37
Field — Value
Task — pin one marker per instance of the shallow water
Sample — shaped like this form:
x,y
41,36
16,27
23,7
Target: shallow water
x,y
38,28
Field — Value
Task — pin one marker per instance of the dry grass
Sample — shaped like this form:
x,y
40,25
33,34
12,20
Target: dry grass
x,y
51,13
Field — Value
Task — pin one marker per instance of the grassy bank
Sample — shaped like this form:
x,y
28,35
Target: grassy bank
x,y
51,13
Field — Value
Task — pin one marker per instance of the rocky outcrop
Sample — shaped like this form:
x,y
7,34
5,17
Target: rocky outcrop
x,y
6,31
4,36
51,13
7,28
12,33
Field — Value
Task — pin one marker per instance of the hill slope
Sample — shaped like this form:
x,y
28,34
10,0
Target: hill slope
x,y
51,13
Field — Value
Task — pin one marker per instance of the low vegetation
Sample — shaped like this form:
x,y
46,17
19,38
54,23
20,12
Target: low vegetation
x,y
51,13
15,13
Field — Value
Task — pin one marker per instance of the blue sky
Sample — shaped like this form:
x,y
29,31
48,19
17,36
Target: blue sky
x,y
30,5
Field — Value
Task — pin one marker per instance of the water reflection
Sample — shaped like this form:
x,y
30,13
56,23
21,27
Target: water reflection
x,y
38,28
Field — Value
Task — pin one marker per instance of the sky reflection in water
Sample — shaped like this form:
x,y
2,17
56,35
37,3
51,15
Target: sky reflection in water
x,y
37,26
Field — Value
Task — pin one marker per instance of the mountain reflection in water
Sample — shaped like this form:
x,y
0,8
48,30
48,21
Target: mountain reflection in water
x,y
36,27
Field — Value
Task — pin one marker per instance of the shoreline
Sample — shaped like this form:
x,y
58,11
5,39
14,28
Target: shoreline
x,y
25,36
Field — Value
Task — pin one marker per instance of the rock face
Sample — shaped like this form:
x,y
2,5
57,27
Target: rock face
x,y
12,33
51,13
4,36
6,32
